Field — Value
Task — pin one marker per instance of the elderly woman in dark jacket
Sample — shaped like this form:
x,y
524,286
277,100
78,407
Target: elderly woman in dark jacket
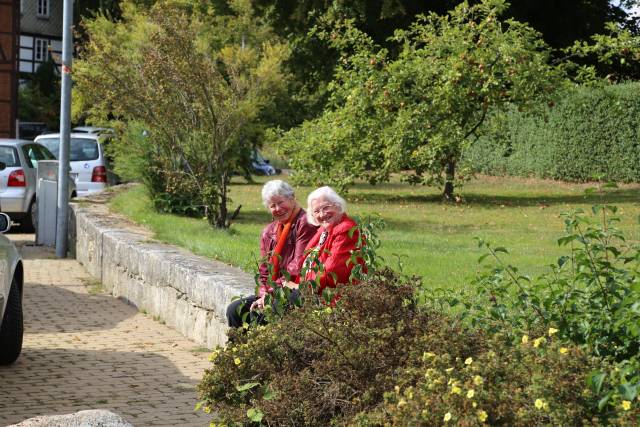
x,y
282,244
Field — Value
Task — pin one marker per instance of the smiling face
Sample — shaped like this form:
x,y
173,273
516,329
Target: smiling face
x,y
281,207
325,213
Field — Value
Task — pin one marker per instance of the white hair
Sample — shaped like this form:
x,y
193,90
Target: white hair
x,y
328,194
276,187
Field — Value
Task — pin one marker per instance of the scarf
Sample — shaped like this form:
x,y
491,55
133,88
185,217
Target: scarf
x,y
282,233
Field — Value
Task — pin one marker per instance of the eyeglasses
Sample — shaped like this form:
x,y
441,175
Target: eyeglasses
x,y
324,209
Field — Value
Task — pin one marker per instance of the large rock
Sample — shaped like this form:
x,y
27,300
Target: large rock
x,y
89,418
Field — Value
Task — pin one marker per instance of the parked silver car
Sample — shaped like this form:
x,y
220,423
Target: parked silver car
x,y
90,166
18,179
11,287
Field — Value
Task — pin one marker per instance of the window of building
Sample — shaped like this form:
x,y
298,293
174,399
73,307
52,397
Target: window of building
x,y
43,8
41,50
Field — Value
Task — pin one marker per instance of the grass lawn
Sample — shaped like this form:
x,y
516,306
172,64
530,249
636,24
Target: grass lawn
x,y
431,239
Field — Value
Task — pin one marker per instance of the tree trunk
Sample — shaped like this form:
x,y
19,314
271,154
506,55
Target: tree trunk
x,y
221,220
450,171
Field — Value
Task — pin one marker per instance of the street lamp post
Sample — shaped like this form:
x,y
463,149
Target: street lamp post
x,y
65,130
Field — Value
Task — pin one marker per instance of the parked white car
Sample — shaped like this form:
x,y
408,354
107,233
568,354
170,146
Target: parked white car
x,y
90,167
18,179
11,288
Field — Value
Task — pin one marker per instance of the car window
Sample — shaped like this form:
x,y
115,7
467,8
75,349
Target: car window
x,y
9,156
32,154
81,149
52,144
44,153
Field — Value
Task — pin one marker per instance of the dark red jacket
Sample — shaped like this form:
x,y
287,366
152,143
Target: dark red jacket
x,y
335,253
292,252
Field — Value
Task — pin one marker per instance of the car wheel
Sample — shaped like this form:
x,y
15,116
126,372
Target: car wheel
x,y
12,327
30,221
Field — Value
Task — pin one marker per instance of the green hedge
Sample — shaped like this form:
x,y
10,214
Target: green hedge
x,y
591,134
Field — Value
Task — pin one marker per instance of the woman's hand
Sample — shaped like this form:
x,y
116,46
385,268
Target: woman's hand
x,y
290,285
257,304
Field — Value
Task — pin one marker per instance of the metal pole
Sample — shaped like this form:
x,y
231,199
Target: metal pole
x,y
65,130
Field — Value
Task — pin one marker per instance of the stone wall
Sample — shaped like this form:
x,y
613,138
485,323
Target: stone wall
x,y
188,292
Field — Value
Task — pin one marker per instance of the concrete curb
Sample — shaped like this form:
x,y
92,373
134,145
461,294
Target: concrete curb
x,y
188,292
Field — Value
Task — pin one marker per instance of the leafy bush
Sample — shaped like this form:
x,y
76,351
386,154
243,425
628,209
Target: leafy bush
x,y
592,133
537,382
364,362
591,297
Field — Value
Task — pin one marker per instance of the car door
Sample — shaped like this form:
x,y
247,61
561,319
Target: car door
x,y
32,154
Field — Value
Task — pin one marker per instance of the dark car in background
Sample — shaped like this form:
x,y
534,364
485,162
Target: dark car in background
x,y
29,130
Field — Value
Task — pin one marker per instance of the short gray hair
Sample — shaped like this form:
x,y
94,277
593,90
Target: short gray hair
x,y
276,187
328,194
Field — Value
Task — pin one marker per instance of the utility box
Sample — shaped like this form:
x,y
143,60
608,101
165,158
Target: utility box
x,y
47,202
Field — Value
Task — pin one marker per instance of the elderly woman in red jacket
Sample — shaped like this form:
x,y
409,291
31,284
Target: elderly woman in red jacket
x,y
334,242
282,244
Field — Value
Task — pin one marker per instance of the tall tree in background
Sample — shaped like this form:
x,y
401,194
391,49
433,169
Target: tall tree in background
x,y
417,111
313,61
178,71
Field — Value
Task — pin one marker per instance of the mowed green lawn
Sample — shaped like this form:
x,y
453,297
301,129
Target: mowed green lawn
x,y
429,238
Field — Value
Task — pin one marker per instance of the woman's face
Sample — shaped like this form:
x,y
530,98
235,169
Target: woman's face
x,y
281,207
324,212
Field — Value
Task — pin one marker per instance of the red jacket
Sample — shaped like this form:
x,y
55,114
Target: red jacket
x,y
292,252
335,253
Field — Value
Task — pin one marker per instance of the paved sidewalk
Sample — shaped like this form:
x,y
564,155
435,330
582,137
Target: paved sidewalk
x,y
88,350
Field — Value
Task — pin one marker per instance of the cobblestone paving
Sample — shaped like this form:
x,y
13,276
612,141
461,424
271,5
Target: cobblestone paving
x,y
87,350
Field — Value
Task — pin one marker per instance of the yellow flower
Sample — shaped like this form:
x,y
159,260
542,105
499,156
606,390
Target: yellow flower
x,y
474,404
207,410
402,403
447,417
469,361
563,350
237,361
538,341
213,356
626,405
234,349
525,339
477,380
552,331
456,390
427,355
539,403
471,393
482,416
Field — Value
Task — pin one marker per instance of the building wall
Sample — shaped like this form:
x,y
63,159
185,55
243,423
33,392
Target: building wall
x,y
9,28
40,32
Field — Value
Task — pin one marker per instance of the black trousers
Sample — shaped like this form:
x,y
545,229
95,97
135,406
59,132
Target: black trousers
x,y
241,307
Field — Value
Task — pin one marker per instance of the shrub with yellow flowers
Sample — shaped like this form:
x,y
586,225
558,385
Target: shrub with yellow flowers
x,y
379,358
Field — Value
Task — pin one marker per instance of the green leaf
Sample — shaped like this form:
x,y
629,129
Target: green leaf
x,y
595,381
268,394
501,249
246,386
603,402
482,258
627,391
255,415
